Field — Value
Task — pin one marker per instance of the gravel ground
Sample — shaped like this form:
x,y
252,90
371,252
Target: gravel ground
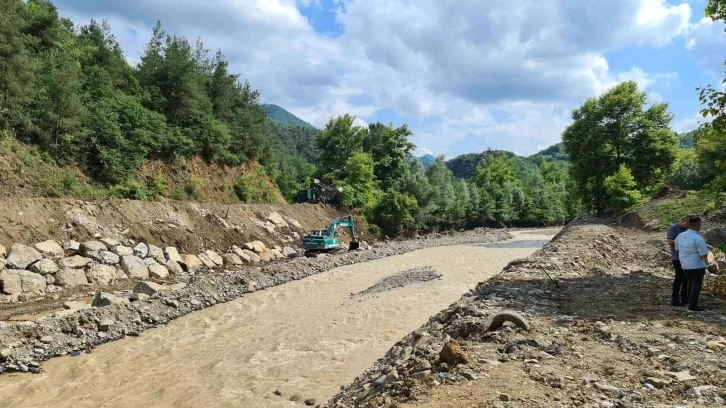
x,y
601,333
399,280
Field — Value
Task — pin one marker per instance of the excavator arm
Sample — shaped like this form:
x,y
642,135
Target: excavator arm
x,y
345,222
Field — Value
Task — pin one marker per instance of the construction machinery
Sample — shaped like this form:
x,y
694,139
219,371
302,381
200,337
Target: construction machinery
x,y
326,241
319,193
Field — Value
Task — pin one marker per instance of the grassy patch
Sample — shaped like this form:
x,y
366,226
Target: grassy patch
x,y
671,211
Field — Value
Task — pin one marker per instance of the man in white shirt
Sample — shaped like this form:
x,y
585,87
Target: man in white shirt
x,y
693,252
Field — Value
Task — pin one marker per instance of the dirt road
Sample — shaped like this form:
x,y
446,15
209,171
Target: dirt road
x,y
303,339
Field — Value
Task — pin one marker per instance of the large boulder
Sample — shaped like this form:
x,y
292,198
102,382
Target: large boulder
x,y
277,219
74,262
108,258
266,255
214,257
22,256
16,282
148,288
110,242
191,262
158,271
241,253
71,247
232,260
141,250
71,278
174,267
3,251
277,254
122,250
206,261
171,254
50,247
101,274
103,299
134,267
289,252
712,265
92,248
258,246
253,257
157,254
715,236
45,267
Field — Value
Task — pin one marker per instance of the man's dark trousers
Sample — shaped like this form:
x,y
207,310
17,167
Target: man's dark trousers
x,y
680,285
695,283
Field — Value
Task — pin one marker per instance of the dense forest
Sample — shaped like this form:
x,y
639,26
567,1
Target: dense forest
x,y
69,92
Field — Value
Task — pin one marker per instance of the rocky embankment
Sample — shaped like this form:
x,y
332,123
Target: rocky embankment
x,y
584,322
164,285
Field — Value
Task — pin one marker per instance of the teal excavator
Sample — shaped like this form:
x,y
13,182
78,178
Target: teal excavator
x,y
317,241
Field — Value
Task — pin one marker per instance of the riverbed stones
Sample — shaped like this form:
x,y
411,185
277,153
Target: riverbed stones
x,y
254,258
289,252
141,250
148,288
232,260
134,267
103,299
257,246
71,278
265,256
171,254
74,262
22,256
157,271
215,257
157,254
44,267
50,247
277,253
122,250
16,282
191,263
92,248
101,274
241,253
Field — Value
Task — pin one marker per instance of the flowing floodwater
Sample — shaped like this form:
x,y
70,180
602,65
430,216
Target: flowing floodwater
x,y
305,338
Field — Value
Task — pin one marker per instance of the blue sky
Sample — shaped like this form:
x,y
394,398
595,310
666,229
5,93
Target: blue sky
x,y
465,76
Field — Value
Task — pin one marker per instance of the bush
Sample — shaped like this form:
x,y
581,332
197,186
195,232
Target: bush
x,y
621,189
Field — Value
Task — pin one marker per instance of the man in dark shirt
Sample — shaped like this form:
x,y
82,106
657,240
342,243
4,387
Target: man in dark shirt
x,y
679,296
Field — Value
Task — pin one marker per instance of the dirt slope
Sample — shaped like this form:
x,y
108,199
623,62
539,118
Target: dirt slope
x,y
188,226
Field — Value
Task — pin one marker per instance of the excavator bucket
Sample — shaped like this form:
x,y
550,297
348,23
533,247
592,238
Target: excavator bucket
x,y
353,246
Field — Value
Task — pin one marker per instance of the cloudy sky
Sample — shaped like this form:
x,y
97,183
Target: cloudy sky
x,y
466,75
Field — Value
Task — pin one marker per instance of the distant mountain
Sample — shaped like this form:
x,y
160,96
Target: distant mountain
x,y
427,160
688,140
553,153
280,115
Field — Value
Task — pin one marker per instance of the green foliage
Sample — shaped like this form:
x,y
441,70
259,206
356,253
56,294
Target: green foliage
x,y
615,130
621,189
395,212
692,203
688,174
253,187
338,142
282,117
360,189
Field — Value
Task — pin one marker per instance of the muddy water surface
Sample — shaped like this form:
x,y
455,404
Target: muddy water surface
x,y
304,338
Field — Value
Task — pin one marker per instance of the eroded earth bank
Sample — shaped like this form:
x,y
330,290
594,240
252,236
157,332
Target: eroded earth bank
x,y
599,332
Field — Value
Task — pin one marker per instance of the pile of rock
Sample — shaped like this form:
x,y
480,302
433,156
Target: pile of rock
x,y
48,267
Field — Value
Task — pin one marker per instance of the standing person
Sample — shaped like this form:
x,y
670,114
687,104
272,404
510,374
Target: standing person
x,y
693,252
679,295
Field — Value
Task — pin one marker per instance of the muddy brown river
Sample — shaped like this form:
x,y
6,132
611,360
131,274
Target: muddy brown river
x,y
304,339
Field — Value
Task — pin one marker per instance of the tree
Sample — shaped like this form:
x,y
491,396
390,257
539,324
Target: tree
x,y
711,156
389,147
395,212
338,142
621,189
615,130
360,190
16,70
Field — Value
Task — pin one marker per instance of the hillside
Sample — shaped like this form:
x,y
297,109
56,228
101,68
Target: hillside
x,y
278,114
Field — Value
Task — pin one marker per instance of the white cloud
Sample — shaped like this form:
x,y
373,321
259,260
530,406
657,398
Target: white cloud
x,y
446,66
707,41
